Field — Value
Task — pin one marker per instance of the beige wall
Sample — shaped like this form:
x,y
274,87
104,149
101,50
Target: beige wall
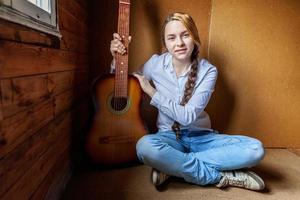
x,y
255,45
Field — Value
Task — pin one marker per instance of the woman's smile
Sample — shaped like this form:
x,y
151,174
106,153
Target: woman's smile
x,y
180,51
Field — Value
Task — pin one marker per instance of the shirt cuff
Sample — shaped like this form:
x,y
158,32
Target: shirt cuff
x,y
112,67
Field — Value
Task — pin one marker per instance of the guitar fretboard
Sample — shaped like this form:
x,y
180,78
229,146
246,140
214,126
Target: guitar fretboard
x,y
121,74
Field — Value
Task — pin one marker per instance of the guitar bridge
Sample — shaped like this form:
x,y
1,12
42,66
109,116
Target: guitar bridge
x,y
116,139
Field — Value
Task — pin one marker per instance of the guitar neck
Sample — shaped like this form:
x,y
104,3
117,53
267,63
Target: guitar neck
x,y
121,74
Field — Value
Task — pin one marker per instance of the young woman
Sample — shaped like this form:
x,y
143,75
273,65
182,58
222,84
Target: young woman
x,y
185,145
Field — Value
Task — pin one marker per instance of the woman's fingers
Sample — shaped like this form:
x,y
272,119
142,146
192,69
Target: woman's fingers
x,y
138,76
145,84
117,36
142,79
117,45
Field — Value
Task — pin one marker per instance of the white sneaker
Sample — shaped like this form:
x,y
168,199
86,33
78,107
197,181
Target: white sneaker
x,y
158,178
246,179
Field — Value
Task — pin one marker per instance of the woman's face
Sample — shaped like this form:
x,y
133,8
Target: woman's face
x,y
178,41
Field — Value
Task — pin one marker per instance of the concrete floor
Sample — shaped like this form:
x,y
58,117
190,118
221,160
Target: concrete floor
x,y
280,169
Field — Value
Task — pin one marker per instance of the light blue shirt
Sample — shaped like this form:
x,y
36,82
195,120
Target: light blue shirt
x,y
170,89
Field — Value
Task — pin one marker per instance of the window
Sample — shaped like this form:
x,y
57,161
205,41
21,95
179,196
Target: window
x,y
37,14
43,4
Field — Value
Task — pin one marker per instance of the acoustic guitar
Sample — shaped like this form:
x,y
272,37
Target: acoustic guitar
x,y
117,124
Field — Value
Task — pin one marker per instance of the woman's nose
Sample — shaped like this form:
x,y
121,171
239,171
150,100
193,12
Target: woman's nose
x,y
179,41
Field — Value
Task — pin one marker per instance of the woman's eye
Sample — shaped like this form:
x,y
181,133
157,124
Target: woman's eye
x,y
171,38
186,35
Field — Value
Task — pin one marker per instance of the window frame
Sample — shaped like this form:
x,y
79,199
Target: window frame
x,y
25,13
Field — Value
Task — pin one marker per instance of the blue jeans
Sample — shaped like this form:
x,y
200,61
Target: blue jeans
x,y
200,156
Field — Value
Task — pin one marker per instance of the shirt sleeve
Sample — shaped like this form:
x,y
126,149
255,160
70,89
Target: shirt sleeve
x,y
188,113
112,66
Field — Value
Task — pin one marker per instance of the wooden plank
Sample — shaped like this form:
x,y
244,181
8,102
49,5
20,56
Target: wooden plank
x,y
60,129
26,90
62,81
68,79
27,184
58,187
63,122
83,3
6,92
14,130
19,93
15,164
54,183
73,42
63,101
75,9
22,59
19,33
70,23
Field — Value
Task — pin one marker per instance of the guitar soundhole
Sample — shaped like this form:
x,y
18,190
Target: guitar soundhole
x,y
118,103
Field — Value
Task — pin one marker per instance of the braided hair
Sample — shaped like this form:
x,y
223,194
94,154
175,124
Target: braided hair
x,y
188,22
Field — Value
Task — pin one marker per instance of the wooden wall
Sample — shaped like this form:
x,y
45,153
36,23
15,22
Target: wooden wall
x,y
44,84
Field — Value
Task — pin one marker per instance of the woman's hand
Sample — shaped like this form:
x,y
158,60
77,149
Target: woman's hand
x,y
117,45
145,84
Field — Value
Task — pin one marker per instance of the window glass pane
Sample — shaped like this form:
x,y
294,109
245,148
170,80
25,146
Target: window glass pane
x,y
43,4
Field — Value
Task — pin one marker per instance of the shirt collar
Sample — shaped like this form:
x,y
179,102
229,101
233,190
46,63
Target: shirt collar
x,y
167,63
167,60
187,71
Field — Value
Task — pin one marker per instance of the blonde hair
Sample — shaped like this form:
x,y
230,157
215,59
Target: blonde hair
x,y
190,25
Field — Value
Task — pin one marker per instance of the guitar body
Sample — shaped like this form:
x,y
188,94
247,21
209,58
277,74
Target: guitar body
x,y
117,125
